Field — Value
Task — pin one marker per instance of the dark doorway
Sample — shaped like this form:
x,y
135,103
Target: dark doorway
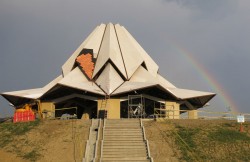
x,y
78,107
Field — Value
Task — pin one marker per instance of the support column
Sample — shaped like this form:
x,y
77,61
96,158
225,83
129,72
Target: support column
x,y
47,109
112,106
192,114
173,110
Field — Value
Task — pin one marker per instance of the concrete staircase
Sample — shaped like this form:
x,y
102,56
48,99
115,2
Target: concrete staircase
x,y
124,141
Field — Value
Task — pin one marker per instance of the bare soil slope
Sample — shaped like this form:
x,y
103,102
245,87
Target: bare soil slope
x,y
51,140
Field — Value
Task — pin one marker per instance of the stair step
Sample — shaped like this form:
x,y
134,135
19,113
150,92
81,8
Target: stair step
x,y
126,159
123,123
127,148
122,155
118,143
123,133
123,145
121,129
124,151
122,137
123,141
131,160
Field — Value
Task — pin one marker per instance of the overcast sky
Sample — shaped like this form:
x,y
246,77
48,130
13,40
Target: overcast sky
x,y
37,37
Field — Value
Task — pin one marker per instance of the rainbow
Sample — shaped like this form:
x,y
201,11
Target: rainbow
x,y
208,77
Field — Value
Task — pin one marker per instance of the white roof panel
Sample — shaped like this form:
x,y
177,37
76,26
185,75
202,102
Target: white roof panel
x,y
131,57
140,79
52,83
150,64
76,79
34,93
163,82
109,79
29,93
110,50
130,86
142,75
92,42
186,93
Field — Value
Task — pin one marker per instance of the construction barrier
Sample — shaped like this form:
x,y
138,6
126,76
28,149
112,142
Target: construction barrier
x,y
23,116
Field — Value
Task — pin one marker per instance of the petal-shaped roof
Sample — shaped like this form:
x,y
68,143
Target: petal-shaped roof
x,y
33,93
150,64
109,79
186,93
110,50
52,83
76,79
131,86
30,93
163,82
140,79
131,55
92,42
142,75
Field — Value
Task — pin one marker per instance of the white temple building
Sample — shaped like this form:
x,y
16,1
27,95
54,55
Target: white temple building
x,y
110,76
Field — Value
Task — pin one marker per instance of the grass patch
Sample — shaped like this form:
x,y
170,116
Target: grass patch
x,y
187,134
9,130
185,139
32,155
228,135
13,137
215,142
18,128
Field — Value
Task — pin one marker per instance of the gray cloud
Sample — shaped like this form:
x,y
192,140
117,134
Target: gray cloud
x,y
37,37
211,9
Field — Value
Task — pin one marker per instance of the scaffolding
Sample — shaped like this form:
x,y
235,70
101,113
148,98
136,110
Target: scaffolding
x,y
136,106
159,110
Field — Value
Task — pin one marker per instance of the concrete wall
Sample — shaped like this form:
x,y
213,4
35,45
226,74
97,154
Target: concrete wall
x,y
173,110
112,106
47,109
192,114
